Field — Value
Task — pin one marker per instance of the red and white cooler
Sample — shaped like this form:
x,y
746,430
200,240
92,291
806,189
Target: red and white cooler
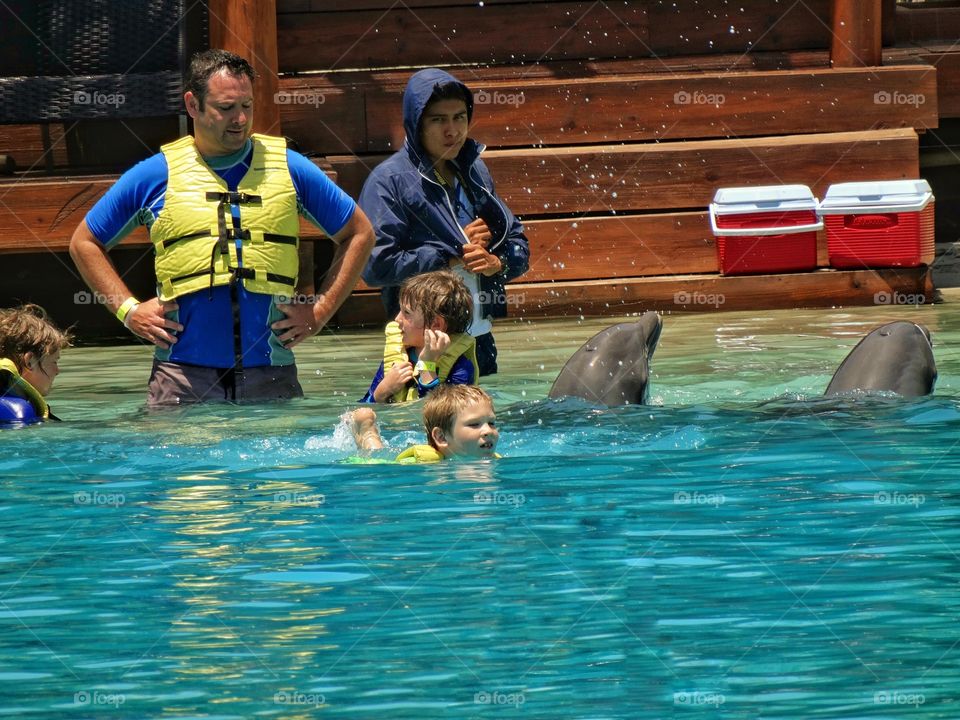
x,y
768,229
879,224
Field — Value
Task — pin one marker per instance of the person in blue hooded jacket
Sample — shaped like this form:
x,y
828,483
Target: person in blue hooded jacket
x,y
433,206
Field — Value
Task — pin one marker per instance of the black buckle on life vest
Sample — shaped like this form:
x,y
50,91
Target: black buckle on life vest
x,y
235,198
242,233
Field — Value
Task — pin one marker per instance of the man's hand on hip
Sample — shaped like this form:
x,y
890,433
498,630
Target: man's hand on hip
x,y
147,320
299,324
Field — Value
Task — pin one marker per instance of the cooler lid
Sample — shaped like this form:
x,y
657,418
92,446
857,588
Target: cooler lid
x,y
877,196
773,198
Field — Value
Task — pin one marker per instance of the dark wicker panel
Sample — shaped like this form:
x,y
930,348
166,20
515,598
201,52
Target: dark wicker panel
x,y
47,99
82,59
105,37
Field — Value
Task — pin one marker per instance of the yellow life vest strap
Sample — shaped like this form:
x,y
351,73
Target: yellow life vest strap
x,y
22,388
419,454
460,344
423,454
394,352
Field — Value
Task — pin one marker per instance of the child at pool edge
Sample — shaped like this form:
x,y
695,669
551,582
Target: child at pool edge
x,y
427,345
459,421
30,345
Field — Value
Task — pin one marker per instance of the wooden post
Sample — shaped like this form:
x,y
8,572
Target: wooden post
x,y
249,29
857,33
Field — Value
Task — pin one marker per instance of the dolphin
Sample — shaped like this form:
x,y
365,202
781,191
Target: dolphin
x,y
897,357
612,367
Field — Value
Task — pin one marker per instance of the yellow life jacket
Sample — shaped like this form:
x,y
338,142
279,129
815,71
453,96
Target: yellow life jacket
x,y
394,352
194,236
423,454
11,379
419,454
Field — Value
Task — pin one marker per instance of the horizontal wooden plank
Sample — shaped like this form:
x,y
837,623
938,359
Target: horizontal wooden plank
x,y
693,27
325,120
300,6
704,106
25,144
676,175
824,288
534,32
690,293
41,214
436,36
629,108
622,246
687,174
574,69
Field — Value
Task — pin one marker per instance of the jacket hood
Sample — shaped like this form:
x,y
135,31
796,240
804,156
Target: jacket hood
x,y
420,87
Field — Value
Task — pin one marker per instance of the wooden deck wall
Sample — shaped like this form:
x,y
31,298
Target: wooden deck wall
x,y
609,128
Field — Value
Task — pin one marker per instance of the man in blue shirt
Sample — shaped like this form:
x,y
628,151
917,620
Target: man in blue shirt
x,y
222,209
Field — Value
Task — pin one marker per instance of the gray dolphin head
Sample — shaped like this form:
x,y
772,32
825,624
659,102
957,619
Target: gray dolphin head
x,y
612,367
897,357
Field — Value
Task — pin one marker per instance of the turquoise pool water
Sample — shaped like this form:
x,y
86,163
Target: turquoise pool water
x,y
739,549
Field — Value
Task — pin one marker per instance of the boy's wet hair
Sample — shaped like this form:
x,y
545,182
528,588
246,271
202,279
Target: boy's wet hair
x,y
28,329
441,293
441,407
206,64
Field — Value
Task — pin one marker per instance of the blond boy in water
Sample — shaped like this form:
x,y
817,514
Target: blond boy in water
x,y
459,420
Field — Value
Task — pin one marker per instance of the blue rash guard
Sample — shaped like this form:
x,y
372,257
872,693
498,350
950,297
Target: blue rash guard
x,y
207,336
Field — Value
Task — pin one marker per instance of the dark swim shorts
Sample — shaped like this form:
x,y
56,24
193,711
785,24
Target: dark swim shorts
x,y
178,384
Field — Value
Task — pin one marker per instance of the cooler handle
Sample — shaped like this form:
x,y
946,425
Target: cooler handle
x,y
782,229
883,205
